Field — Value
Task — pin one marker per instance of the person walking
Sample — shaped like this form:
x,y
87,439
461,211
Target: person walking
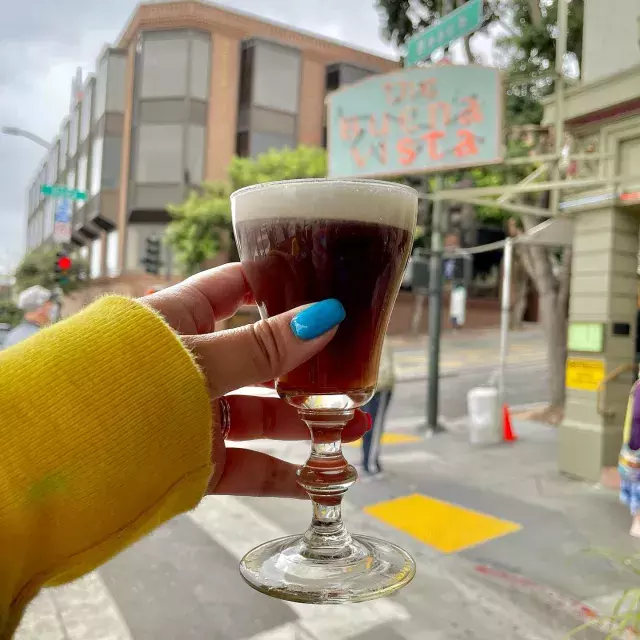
x,y
629,460
37,305
377,408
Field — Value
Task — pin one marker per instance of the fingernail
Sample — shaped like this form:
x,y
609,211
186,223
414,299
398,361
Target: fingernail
x,y
318,319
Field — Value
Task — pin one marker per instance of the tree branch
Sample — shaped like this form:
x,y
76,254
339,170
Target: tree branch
x,y
535,12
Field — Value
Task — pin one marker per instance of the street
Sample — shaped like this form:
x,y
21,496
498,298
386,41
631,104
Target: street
x,y
498,535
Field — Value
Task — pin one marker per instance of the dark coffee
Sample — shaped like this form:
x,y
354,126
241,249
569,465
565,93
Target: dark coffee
x,y
290,262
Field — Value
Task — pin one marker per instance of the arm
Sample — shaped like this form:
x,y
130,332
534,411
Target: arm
x,y
81,405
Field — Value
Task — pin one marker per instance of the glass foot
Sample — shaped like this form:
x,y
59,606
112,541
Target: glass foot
x,y
364,569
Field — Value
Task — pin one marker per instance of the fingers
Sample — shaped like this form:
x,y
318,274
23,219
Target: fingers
x,y
267,349
196,304
252,473
255,417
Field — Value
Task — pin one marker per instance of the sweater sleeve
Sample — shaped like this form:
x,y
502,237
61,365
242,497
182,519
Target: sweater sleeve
x,y
105,425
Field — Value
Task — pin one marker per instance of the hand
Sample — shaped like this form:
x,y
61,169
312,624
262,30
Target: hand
x,y
237,358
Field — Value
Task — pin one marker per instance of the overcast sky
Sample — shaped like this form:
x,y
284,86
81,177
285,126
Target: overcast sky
x,y
40,50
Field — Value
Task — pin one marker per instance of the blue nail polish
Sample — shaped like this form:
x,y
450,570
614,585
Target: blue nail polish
x,y
318,319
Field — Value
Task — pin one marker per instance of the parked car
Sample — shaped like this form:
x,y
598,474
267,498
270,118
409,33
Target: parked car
x,y
4,329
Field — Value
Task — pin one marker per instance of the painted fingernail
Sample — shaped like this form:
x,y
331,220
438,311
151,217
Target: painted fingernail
x,y
318,319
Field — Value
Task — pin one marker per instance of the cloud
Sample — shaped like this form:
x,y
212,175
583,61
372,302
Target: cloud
x,y
41,49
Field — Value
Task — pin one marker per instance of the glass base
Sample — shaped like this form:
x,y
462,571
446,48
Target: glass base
x,y
365,569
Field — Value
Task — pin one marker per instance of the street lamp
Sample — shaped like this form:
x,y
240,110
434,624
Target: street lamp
x,y
21,133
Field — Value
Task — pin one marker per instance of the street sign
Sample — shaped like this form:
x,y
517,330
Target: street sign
x,y
62,222
417,120
457,24
60,191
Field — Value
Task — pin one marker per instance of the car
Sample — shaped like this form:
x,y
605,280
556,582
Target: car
x,y
4,329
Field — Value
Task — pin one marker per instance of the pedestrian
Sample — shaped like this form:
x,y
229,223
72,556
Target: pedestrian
x,y
114,421
37,305
377,408
629,460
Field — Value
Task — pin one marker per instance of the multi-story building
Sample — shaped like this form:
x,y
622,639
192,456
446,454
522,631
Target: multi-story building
x,y
186,86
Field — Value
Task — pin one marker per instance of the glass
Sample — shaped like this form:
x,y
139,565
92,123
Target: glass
x,y
302,241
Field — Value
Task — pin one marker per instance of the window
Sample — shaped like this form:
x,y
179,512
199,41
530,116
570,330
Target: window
x,y
117,71
242,144
111,162
71,179
85,112
164,66
100,99
246,76
159,153
276,78
112,254
49,213
64,143
95,268
53,164
73,131
95,181
262,142
195,153
82,177
333,78
200,59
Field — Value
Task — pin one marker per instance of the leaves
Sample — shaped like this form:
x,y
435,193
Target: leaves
x,y
201,225
38,267
9,313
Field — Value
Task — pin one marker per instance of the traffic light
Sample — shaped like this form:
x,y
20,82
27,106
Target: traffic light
x,y
62,268
151,260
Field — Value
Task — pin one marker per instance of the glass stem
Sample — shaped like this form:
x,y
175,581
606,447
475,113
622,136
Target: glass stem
x,y
326,476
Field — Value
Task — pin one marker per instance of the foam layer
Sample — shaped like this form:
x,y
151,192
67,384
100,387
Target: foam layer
x,y
351,200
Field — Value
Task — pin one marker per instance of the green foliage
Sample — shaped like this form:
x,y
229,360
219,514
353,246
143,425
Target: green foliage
x,y
9,313
38,267
201,225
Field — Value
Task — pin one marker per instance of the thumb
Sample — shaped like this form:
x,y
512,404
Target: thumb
x,y
267,349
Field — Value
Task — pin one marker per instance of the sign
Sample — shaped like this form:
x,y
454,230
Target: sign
x,y
457,24
584,375
416,120
60,191
586,336
62,222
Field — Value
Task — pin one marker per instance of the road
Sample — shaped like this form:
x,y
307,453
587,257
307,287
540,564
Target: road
x,y
471,520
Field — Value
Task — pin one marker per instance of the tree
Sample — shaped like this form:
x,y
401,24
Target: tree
x,y
9,313
38,267
201,225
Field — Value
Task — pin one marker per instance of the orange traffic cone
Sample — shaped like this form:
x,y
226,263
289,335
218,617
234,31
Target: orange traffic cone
x,y
507,429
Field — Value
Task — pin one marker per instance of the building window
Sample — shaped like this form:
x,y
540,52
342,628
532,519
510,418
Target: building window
x,y
200,62
159,157
164,66
71,179
73,131
95,268
246,76
263,142
276,78
100,99
96,166
64,144
195,153
117,71
82,176
53,164
112,254
111,162
85,112
333,79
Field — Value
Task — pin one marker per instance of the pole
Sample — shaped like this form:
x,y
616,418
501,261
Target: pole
x,y
21,133
435,310
561,49
505,309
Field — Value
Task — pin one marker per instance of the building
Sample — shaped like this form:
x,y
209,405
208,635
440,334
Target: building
x,y
602,117
186,86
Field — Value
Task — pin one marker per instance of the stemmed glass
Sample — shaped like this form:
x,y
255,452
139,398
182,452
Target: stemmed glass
x,y
302,241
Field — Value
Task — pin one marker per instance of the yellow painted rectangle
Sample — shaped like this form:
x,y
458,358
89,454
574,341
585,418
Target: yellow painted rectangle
x,y
391,438
584,375
444,526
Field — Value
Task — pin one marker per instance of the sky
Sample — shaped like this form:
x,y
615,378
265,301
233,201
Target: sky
x,y
40,51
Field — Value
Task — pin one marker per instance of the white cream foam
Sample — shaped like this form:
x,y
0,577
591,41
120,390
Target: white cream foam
x,y
323,199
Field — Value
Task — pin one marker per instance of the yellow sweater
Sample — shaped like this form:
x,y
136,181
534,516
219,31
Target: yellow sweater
x,y
105,433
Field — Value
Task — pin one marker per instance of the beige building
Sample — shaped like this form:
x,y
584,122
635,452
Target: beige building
x,y
602,115
186,86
